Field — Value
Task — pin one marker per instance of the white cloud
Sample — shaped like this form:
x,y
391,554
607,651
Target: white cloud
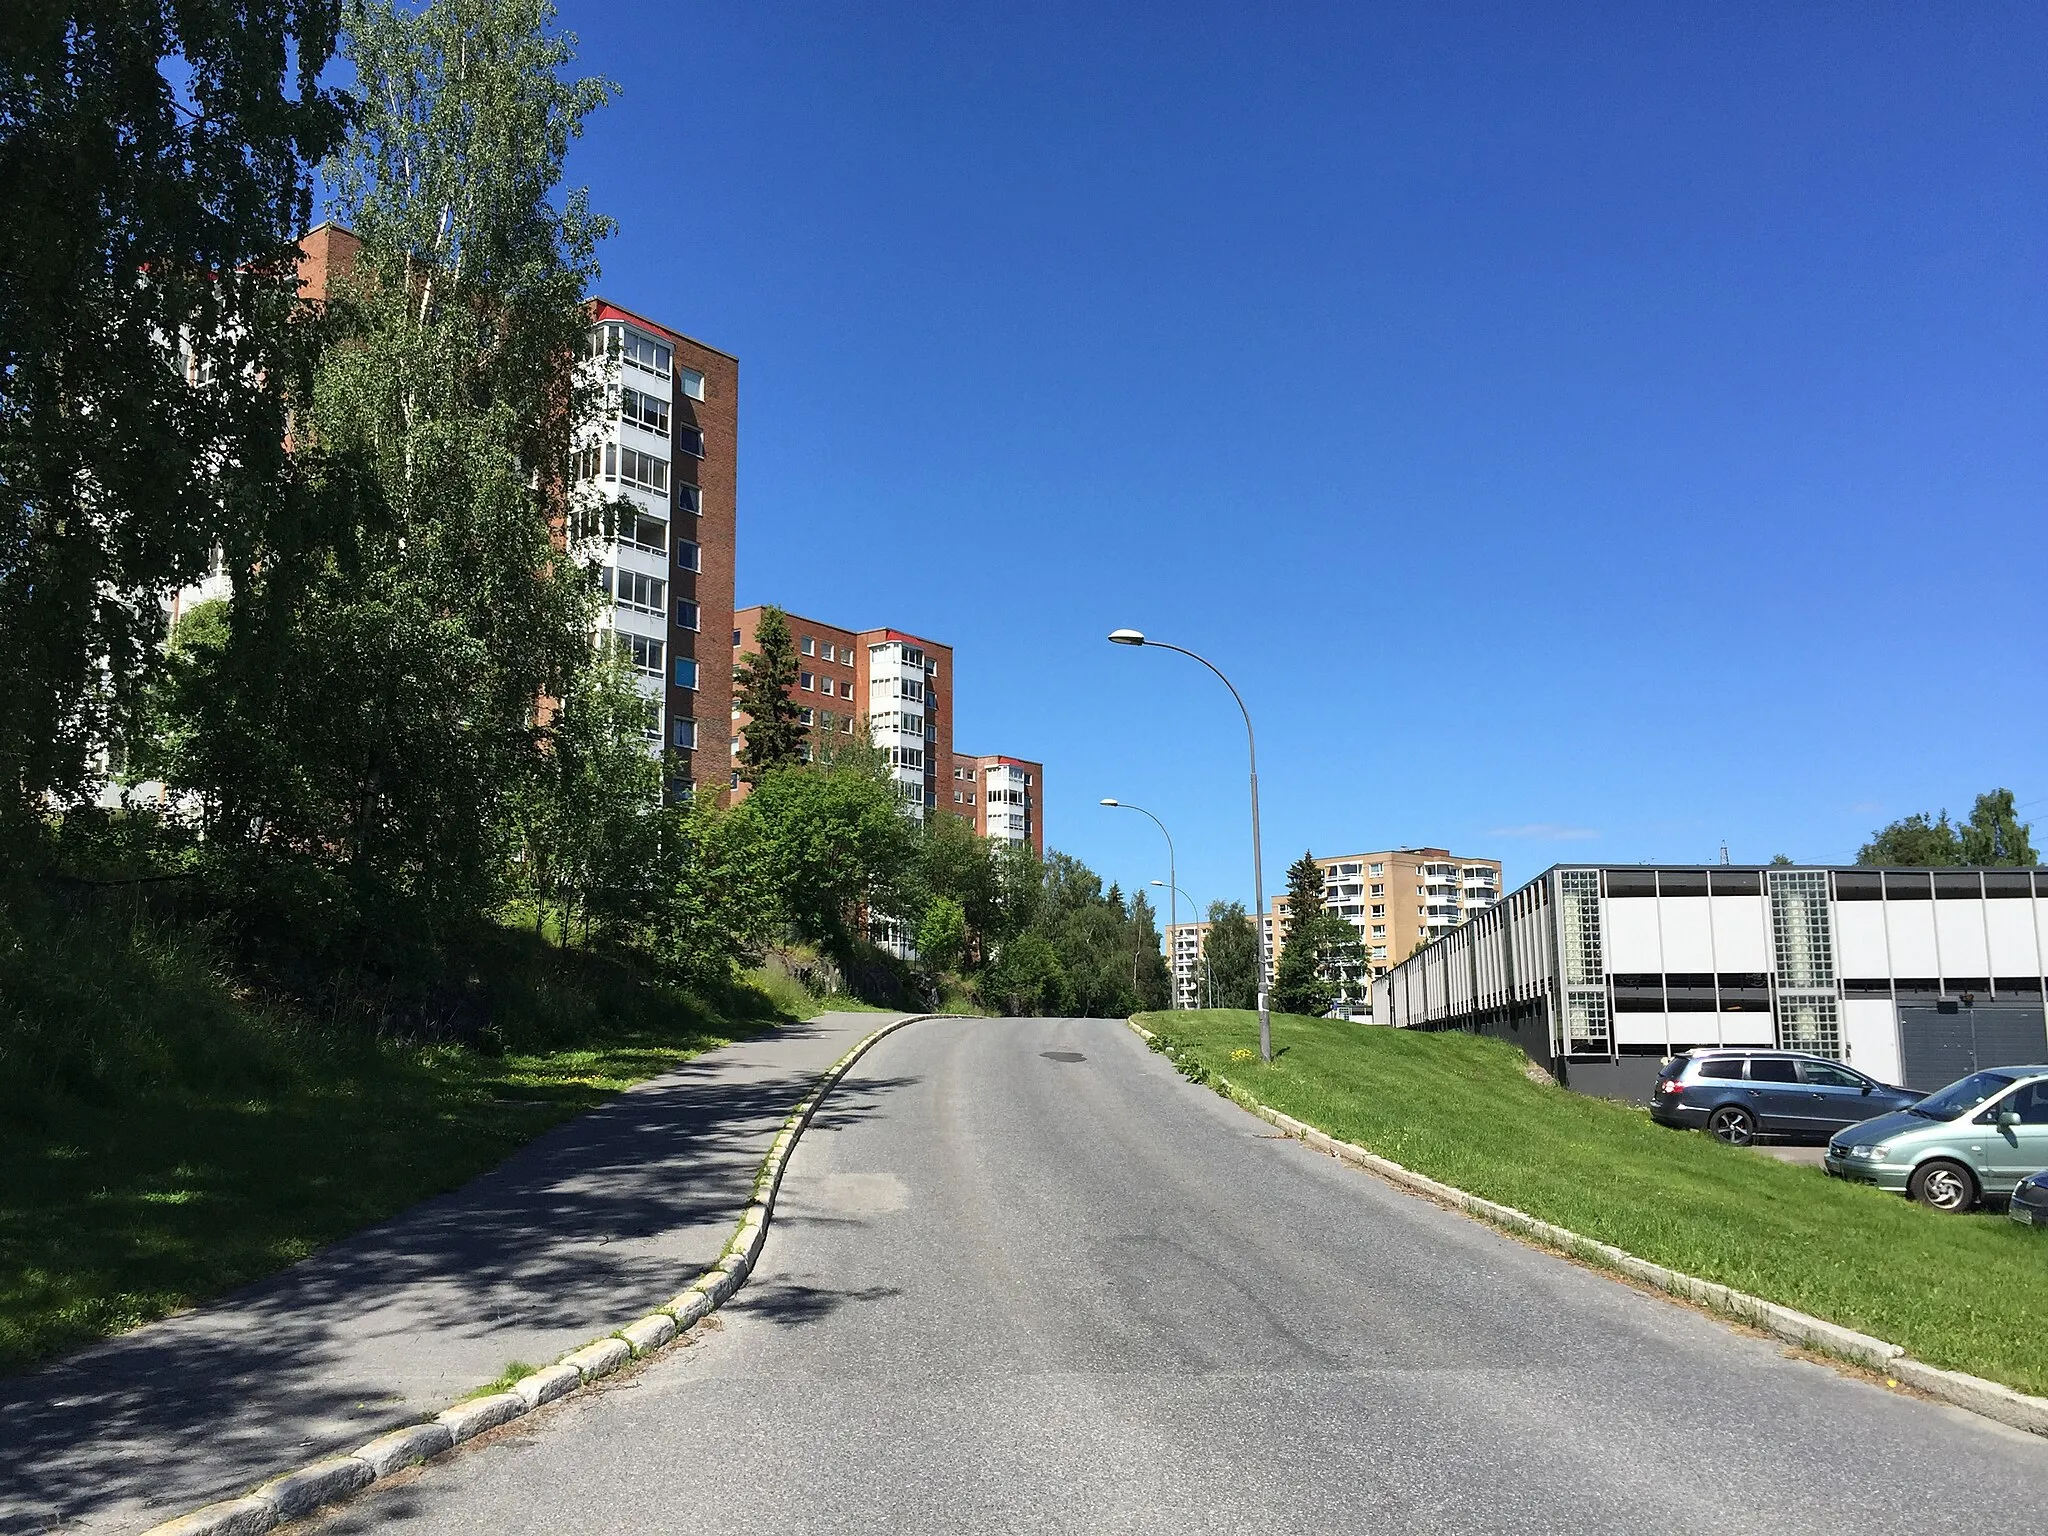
x,y
1547,832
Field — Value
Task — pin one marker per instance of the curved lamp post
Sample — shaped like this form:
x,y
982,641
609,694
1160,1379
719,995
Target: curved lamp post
x,y
1137,637
1125,805
1172,961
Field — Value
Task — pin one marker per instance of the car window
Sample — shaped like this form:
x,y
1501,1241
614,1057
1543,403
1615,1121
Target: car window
x,y
1825,1074
1722,1067
1773,1069
2030,1102
1958,1099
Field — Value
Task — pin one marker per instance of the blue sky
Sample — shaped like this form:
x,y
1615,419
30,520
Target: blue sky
x,y
1582,431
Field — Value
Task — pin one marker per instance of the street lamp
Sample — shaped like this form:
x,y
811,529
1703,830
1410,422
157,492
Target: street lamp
x,y
1171,874
1137,637
1173,955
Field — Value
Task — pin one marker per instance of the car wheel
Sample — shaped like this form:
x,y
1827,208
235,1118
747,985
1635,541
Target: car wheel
x,y
1733,1124
1943,1186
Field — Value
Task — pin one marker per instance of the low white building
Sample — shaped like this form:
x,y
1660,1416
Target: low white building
x,y
1600,972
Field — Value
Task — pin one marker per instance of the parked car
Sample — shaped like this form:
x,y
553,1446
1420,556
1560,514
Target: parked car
x,y
1739,1095
2030,1200
1976,1137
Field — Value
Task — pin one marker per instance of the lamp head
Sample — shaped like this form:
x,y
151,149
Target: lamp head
x,y
1126,637
1159,882
1110,802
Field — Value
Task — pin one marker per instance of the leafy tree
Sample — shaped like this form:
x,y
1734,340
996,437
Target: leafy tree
x,y
591,820
942,935
956,863
1230,957
1914,841
155,159
1299,983
1780,861
374,712
1994,835
766,674
1027,977
831,844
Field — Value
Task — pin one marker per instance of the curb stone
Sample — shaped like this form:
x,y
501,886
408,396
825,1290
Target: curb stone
x,y
307,1488
1989,1399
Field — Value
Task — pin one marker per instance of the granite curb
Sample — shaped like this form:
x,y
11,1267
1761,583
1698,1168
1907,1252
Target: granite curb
x,y
1974,1393
334,1478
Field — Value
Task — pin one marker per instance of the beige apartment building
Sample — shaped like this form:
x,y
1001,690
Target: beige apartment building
x,y
1396,899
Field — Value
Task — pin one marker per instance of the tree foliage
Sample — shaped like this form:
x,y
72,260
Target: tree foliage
x,y
1300,984
1230,958
766,674
1994,835
155,159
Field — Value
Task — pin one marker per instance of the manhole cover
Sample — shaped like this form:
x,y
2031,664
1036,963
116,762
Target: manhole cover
x,y
1063,1056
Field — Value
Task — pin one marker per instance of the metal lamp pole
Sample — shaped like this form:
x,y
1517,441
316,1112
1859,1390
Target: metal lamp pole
x,y
1136,637
1173,962
1173,905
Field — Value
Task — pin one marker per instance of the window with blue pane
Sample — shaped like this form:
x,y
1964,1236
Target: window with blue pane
x,y
686,672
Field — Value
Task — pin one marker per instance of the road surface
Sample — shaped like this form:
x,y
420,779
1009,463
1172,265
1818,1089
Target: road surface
x,y
1036,1282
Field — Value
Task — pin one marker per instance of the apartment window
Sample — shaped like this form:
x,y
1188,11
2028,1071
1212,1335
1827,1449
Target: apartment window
x,y
735,637
827,719
645,470
643,594
807,646
690,498
690,382
803,717
686,672
648,533
1377,870
644,410
686,613
803,681
1379,930
1379,890
1379,909
689,556
957,797
685,737
845,688
643,351
644,653
912,689
690,440
846,727
587,462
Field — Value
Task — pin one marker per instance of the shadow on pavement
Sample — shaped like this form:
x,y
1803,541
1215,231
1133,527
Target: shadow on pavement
x,y
574,1234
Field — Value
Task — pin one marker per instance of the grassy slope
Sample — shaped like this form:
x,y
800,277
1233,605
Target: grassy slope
x,y
1967,1293
164,1139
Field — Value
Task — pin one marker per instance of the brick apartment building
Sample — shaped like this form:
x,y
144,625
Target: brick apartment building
x,y
1002,797
667,445
899,687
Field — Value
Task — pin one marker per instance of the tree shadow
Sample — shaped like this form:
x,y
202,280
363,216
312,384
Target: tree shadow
x,y
579,1230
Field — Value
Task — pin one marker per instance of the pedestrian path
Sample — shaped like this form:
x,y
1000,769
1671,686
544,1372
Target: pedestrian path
x,y
581,1230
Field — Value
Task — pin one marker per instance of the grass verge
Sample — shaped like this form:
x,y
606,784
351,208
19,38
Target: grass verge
x,y
1964,1293
166,1135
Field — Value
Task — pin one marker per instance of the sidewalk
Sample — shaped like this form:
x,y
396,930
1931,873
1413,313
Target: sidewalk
x,y
579,1231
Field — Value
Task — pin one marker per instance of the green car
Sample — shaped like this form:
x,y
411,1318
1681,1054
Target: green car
x,y
1978,1137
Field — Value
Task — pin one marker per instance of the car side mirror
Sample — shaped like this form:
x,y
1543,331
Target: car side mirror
x,y
1866,1089
2008,1117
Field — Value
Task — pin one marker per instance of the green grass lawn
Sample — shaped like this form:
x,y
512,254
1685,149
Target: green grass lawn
x,y
198,1139
1966,1293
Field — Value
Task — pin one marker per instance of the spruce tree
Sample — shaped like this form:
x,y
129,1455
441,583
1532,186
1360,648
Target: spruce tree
x,y
1298,982
766,674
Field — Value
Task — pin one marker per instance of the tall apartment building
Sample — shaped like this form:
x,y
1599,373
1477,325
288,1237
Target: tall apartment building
x,y
1001,796
898,684
666,446
1184,945
1396,899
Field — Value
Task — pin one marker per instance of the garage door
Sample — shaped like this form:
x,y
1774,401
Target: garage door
x,y
1936,1047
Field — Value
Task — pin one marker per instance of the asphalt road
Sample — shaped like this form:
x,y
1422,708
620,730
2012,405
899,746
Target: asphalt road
x,y
1032,1281
581,1230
